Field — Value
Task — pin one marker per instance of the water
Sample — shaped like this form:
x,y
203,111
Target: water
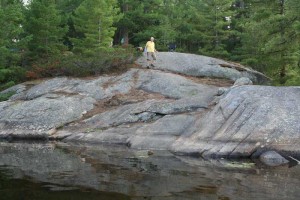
x,y
63,171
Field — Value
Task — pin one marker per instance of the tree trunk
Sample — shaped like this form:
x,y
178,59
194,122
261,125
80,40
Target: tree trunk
x,y
125,29
283,64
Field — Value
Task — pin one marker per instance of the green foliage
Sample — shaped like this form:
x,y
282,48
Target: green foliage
x,y
275,37
70,64
93,20
99,63
141,21
6,96
14,73
12,41
74,37
6,85
293,77
43,24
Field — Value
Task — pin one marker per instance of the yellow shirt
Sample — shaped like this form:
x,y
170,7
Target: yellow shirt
x,y
150,46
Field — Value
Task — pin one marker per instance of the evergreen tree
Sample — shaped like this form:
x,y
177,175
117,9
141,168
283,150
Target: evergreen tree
x,y
66,9
264,34
140,21
218,16
272,28
94,20
44,24
12,42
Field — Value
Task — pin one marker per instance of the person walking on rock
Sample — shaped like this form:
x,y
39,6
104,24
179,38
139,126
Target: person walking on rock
x,y
150,50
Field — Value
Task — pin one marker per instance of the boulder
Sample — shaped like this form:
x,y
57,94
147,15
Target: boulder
x,y
272,159
243,81
222,90
203,66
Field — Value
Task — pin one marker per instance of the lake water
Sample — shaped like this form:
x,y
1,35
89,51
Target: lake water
x,y
64,171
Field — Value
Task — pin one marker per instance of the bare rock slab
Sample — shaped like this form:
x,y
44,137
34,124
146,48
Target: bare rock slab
x,y
248,118
162,133
203,66
42,114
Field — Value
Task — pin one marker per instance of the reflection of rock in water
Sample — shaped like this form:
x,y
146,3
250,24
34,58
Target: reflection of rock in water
x,y
27,189
45,163
139,175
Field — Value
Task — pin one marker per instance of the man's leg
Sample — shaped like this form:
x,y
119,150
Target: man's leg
x,y
153,59
148,59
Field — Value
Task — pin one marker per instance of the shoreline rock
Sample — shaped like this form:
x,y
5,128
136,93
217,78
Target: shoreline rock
x,y
154,109
272,159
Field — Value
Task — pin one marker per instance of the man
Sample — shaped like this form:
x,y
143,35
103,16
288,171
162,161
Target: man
x,y
150,49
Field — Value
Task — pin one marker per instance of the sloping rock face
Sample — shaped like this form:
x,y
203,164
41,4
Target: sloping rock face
x,y
204,66
155,109
247,119
148,95
22,119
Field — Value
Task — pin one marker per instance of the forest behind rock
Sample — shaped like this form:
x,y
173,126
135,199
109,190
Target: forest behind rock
x,y
50,38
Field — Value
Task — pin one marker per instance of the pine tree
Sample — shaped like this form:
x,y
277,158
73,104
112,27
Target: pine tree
x,y
202,26
12,42
43,23
271,26
66,9
94,20
140,21
218,16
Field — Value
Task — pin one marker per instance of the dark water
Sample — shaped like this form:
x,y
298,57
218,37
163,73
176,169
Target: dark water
x,y
63,171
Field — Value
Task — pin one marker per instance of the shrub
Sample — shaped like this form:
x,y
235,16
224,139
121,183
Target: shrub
x,y
79,65
7,85
6,96
10,76
293,77
13,73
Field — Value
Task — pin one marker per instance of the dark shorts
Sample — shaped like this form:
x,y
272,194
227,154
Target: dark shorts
x,y
151,54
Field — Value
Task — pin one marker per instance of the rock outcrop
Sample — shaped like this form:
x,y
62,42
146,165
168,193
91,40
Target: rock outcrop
x,y
248,118
157,109
203,66
272,159
56,102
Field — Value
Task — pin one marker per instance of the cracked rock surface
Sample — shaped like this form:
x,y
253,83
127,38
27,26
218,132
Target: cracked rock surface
x,y
160,109
203,66
247,119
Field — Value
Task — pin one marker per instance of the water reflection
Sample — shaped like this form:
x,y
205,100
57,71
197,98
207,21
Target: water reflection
x,y
65,171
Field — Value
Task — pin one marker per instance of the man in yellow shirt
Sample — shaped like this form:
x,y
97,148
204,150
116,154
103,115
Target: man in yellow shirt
x,y
150,49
